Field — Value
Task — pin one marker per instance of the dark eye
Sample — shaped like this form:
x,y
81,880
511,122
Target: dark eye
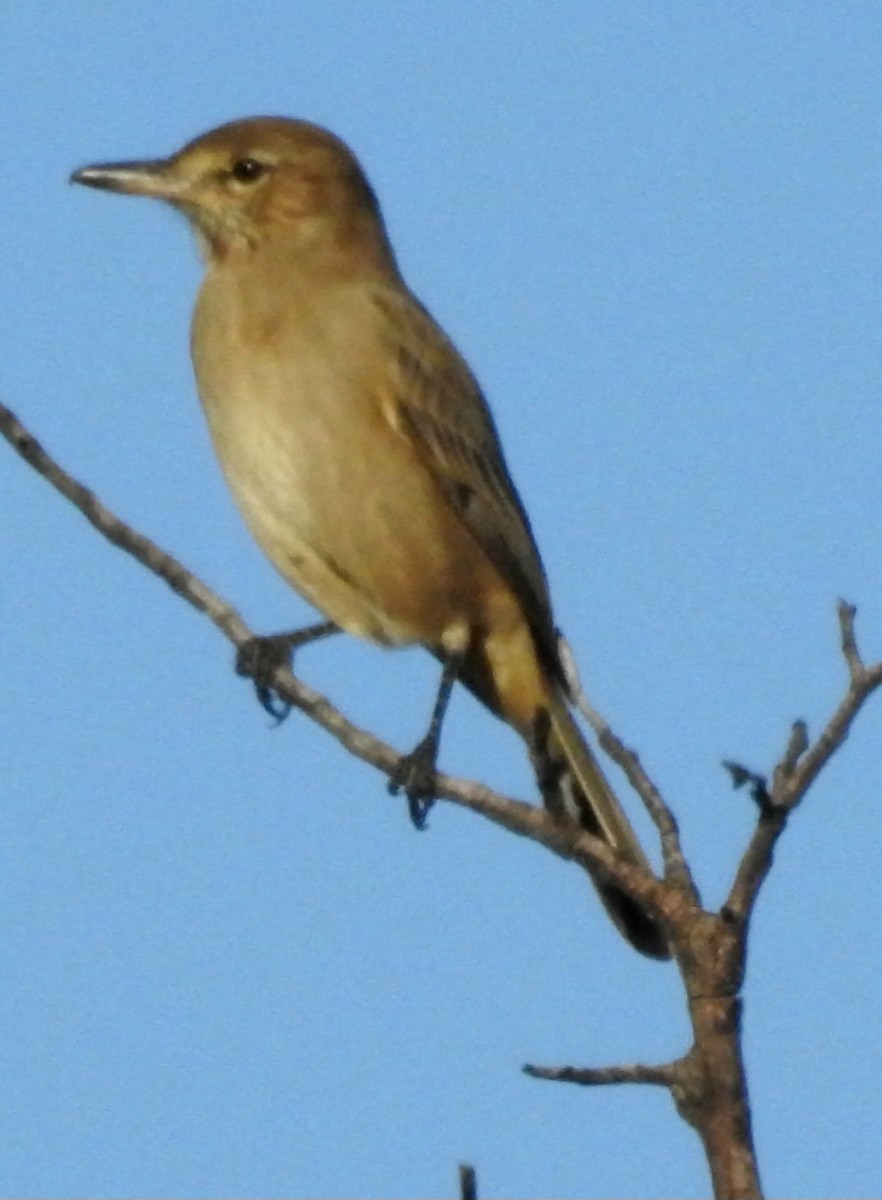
x,y
246,170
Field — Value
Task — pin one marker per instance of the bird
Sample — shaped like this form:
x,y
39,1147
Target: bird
x,y
362,454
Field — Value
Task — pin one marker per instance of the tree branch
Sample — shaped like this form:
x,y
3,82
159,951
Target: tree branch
x,y
708,1083
662,1076
676,868
468,1182
797,770
526,820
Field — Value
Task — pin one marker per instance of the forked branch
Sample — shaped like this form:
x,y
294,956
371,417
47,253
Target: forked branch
x,y
708,1083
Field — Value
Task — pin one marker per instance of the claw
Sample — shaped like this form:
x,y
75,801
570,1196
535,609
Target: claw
x,y
258,659
415,775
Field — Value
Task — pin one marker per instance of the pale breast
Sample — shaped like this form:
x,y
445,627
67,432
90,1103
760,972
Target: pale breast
x,y
332,492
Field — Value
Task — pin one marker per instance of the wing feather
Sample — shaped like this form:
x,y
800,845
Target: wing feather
x,y
437,403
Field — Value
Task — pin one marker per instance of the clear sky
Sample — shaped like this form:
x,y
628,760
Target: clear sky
x,y
230,966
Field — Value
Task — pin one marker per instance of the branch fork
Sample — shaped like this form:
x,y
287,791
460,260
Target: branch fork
x,y
708,1083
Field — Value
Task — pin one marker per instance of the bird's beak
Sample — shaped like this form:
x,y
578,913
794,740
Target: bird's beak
x,y
154,178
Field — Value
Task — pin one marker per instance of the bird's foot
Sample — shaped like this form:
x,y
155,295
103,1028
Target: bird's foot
x,y
258,659
415,775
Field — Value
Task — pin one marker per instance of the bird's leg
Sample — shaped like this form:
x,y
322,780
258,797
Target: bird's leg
x,y
260,656
416,771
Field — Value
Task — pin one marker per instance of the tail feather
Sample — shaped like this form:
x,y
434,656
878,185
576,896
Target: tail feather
x,y
506,672
573,784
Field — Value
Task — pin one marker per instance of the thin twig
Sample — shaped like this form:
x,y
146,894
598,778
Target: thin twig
x,y
799,767
468,1182
756,784
179,579
627,759
676,868
847,639
796,747
662,1076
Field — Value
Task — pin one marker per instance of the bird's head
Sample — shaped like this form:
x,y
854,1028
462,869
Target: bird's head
x,y
258,180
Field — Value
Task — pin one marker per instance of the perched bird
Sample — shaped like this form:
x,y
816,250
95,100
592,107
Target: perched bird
x,y
361,451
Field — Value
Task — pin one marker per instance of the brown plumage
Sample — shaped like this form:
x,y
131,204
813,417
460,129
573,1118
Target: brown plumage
x,y
358,445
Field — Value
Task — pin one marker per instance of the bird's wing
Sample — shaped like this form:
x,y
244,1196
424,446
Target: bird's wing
x,y
438,405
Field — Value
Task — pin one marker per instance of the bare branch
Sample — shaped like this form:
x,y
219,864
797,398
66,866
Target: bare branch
x,y
755,783
848,641
834,734
799,767
120,534
708,1084
468,1182
796,747
676,868
663,1076
525,820
661,902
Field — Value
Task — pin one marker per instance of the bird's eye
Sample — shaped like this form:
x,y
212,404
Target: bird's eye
x,y
247,170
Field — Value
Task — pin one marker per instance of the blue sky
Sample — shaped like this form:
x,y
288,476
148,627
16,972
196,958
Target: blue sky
x,y
230,966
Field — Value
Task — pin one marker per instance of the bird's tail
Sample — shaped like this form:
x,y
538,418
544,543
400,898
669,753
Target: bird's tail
x,y
573,784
